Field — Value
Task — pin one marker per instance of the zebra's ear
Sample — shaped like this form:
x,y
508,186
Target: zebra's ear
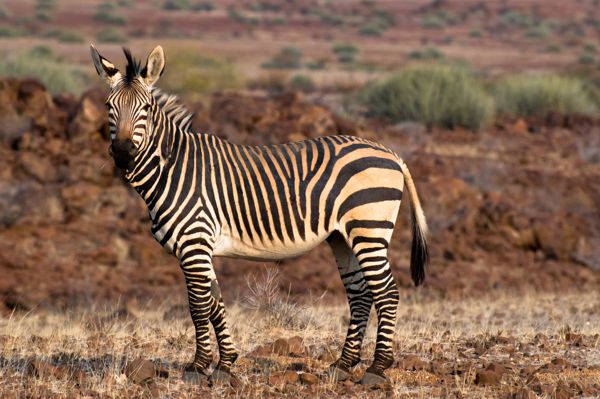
x,y
106,70
154,66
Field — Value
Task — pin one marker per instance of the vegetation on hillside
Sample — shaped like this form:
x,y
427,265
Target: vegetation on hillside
x,y
435,95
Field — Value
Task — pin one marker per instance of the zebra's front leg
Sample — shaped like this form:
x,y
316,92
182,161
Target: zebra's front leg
x,y
227,352
199,297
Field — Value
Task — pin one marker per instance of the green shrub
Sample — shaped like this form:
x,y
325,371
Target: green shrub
x,y
436,95
287,58
9,31
586,59
176,5
111,35
433,22
109,18
191,74
524,95
538,31
589,48
475,33
65,36
42,64
372,29
430,53
553,48
345,52
302,83
4,13
516,18
43,15
317,64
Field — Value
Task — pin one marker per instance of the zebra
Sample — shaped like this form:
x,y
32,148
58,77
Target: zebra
x,y
208,197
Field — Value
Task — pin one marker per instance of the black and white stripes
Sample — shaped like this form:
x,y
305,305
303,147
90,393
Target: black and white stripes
x,y
207,197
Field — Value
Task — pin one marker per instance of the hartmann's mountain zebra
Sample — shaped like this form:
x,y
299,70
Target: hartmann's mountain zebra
x,y
207,197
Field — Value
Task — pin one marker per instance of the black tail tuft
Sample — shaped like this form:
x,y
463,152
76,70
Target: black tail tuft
x,y
419,255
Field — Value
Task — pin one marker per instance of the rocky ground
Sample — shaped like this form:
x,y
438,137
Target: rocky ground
x,y
506,346
514,207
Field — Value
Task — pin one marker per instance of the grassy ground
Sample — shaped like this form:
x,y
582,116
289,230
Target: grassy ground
x,y
536,343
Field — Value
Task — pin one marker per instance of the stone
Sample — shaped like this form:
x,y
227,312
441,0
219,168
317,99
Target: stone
x,y
309,379
487,378
412,363
283,377
140,371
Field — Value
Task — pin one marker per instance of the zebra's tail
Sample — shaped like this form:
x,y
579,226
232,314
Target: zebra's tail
x,y
419,255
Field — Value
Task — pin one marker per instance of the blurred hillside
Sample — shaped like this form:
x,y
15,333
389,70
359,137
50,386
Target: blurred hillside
x,y
493,105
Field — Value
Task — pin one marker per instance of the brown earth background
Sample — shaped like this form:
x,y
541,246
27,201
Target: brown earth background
x,y
514,207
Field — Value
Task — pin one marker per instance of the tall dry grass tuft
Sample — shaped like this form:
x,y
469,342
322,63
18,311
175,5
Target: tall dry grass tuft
x,y
279,309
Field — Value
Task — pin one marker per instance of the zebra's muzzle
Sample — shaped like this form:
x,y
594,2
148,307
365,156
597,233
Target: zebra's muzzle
x,y
123,153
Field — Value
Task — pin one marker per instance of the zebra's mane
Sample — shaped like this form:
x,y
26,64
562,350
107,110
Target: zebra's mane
x,y
173,109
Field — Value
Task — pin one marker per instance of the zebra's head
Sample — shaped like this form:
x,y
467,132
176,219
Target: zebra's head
x,y
129,103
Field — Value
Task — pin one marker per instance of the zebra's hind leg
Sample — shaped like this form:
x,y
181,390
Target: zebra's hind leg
x,y
360,301
371,253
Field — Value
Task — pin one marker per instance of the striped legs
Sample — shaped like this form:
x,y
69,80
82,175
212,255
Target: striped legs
x,y
360,301
206,305
372,256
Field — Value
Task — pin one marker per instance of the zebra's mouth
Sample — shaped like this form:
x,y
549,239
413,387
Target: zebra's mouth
x,y
122,153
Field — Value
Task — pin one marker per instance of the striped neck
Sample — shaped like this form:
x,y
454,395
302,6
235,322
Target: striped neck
x,y
148,174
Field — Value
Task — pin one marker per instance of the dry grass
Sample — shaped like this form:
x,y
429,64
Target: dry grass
x,y
465,336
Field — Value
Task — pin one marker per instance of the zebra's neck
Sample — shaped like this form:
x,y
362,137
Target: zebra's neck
x,y
148,176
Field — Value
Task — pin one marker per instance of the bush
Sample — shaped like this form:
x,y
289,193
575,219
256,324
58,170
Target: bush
x,y
302,83
273,82
516,19
475,33
433,22
4,13
111,35
586,59
287,58
372,29
589,48
176,5
430,53
191,74
552,48
538,31
109,18
42,64
9,31
345,52
437,95
204,6
65,36
524,95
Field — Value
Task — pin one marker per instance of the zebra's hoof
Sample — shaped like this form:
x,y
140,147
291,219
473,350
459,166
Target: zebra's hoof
x,y
220,377
195,375
374,379
337,374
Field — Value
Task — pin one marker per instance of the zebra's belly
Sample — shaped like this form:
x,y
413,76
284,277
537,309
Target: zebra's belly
x,y
236,248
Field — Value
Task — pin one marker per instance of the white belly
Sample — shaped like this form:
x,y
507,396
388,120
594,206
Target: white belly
x,y
268,251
